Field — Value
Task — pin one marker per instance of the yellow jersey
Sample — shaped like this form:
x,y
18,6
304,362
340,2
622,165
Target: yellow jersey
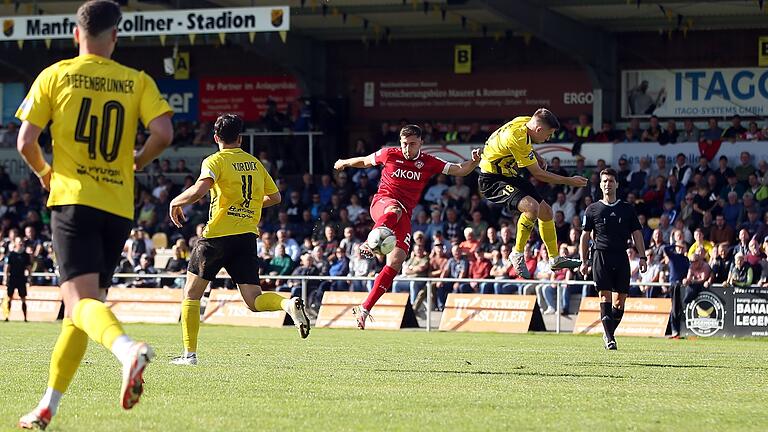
x,y
240,184
95,105
508,149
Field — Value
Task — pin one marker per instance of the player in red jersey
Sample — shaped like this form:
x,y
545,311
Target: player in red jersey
x,y
405,174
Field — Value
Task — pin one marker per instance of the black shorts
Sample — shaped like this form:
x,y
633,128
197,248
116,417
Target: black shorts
x,y
236,253
505,190
21,287
88,240
610,271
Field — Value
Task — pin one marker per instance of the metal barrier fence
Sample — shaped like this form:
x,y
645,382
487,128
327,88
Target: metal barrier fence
x,y
428,284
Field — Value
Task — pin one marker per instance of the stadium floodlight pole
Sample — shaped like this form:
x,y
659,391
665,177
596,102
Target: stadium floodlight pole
x,y
429,306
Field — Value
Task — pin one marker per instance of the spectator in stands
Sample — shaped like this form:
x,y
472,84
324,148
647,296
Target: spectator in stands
x,y
325,191
281,264
722,232
675,191
451,135
584,130
735,131
678,266
703,168
360,266
608,134
177,264
435,192
491,242
753,133
670,135
681,169
699,273
753,225
690,132
386,135
145,268
459,193
338,266
306,268
714,132
429,134
457,267
745,168
720,265
660,168
700,242
469,245
545,292
478,225
474,134
417,265
638,178
741,274
633,132
501,268
10,136
453,228
653,132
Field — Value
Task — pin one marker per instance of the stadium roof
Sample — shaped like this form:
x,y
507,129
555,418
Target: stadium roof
x,y
404,19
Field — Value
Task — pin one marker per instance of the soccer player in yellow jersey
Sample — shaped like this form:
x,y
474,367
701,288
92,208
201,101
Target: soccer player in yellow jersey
x,y
94,106
240,187
507,150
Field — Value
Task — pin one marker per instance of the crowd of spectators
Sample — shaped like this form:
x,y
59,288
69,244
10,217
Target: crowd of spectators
x,y
713,213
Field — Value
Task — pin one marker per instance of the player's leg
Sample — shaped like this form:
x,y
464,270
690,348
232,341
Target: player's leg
x,y
604,284
621,275
387,275
385,213
619,299
529,210
549,237
241,263
24,306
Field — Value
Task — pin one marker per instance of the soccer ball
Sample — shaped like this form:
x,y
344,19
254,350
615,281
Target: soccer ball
x,y
382,240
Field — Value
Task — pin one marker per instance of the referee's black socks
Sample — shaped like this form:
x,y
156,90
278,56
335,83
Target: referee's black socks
x,y
606,316
618,314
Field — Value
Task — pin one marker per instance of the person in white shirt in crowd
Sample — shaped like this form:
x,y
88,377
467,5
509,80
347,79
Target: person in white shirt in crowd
x,y
563,205
354,208
292,248
435,192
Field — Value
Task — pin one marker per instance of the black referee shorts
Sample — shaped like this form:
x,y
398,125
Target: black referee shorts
x,y
508,191
610,271
20,286
88,240
236,253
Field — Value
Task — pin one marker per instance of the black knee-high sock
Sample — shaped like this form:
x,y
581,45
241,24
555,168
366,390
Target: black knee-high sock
x,y
606,317
618,314
24,309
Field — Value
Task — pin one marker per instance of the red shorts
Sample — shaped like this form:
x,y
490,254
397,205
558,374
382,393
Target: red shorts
x,y
403,228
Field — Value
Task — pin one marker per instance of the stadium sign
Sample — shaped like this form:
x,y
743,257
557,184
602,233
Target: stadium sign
x,y
728,312
170,22
695,92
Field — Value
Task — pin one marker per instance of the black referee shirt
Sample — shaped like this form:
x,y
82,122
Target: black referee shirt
x,y
613,225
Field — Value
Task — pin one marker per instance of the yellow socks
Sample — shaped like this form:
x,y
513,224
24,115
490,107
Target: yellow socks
x,y
190,324
269,301
67,354
548,235
98,321
524,229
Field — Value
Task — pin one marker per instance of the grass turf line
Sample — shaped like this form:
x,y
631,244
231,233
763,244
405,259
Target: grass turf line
x,y
269,379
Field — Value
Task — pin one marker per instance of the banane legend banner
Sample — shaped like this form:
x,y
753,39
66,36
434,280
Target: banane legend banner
x,y
695,92
170,22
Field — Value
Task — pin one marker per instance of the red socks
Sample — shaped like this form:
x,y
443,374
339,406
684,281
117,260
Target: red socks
x,y
380,285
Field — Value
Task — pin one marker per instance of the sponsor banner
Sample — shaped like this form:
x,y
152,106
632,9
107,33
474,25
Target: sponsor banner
x,y
149,305
227,307
155,23
393,311
642,317
443,95
727,312
491,313
694,92
246,96
182,96
43,304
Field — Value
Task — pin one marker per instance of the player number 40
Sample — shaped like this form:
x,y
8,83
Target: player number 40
x,y
87,129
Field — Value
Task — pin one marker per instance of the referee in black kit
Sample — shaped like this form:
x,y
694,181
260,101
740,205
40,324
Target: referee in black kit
x,y
613,222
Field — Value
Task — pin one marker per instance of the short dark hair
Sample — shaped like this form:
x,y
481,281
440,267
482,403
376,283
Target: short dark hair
x,y
547,117
609,172
228,127
410,130
96,16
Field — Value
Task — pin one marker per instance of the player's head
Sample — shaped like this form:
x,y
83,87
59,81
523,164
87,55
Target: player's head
x,y
97,22
411,141
608,181
543,124
227,129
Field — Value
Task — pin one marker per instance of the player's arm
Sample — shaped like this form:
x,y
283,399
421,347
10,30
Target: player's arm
x,y
356,162
160,137
584,250
30,151
271,199
637,238
463,169
552,178
189,196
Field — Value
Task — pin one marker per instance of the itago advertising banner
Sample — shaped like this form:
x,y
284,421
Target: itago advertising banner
x,y
444,95
695,92
169,22
246,96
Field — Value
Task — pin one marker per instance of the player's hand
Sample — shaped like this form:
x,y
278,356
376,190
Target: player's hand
x,y
643,266
542,162
476,155
177,215
577,181
45,181
584,269
339,165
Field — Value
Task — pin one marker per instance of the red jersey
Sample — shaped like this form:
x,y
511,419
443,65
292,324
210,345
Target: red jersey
x,y
403,179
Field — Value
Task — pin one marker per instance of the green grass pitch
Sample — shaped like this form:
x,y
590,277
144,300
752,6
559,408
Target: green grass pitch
x,y
269,379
